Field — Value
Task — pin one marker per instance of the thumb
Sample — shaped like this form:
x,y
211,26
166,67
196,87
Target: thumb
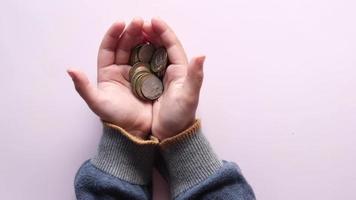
x,y
195,75
86,90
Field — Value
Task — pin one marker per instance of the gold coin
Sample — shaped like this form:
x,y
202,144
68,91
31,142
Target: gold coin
x,y
133,86
134,55
137,67
140,84
134,83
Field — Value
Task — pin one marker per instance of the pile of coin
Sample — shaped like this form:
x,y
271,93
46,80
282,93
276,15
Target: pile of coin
x,y
148,68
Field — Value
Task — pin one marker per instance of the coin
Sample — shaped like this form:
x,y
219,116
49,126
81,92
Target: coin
x,y
152,87
148,66
137,67
145,52
159,61
160,73
140,85
135,83
134,55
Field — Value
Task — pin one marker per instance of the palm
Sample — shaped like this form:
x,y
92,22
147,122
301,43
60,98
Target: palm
x,y
170,111
112,99
118,105
175,110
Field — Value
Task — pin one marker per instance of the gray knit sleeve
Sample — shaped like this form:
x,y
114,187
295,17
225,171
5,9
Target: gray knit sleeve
x,y
195,172
121,168
125,156
189,159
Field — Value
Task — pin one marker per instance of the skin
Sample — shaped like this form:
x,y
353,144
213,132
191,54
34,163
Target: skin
x,y
112,100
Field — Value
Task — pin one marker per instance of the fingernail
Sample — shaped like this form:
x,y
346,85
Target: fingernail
x,y
70,73
201,59
137,18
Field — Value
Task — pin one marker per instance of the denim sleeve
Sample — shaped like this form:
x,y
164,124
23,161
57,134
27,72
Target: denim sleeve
x,y
121,169
92,183
227,183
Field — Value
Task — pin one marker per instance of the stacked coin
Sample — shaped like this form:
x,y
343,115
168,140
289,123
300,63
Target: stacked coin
x,y
148,68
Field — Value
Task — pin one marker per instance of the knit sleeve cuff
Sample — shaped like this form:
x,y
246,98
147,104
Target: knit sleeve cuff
x,y
125,156
189,159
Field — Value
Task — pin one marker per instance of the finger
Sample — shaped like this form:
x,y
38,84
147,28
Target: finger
x,y
130,38
195,75
107,49
86,90
150,35
170,41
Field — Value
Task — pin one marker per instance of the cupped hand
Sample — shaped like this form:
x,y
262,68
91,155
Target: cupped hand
x,y
111,99
175,110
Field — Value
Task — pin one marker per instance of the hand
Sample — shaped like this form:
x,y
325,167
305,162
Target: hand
x,y
175,110
112,99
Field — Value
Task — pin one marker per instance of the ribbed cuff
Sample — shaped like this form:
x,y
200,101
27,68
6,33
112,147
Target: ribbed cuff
x,y
125,156
189,159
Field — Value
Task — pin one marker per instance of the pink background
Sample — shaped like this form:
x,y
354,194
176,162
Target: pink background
x,y
278,98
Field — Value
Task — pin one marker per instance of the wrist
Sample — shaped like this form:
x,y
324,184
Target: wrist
x,y
137,133
168,131
141,132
